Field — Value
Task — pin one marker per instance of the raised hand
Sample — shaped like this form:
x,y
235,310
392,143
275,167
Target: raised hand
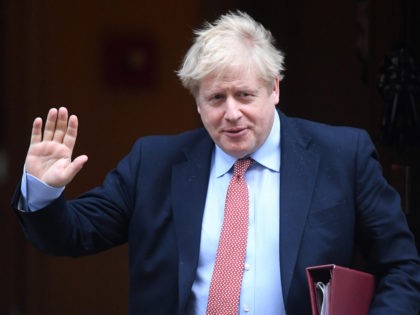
x,y
49,156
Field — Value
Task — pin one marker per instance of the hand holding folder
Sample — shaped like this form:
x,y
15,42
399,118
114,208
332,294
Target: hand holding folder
x,y
336,290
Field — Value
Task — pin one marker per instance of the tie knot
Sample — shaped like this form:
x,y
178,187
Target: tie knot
x,y
241,166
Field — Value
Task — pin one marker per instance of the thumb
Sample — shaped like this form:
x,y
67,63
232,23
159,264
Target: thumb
x,y
75,166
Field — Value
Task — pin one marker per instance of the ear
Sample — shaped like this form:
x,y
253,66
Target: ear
x,y
198,106
276,90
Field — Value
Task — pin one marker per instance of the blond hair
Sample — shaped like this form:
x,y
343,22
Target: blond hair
x,y
233,40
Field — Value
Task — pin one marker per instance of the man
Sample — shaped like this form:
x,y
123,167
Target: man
x,y
316,193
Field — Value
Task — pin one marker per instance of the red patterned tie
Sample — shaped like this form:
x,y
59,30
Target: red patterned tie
x,y
225,285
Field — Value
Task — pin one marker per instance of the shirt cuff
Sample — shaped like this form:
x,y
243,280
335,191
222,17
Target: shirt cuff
x,y
36,194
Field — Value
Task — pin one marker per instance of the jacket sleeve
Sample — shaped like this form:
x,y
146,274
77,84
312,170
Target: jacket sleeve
x,y
93,222
384,237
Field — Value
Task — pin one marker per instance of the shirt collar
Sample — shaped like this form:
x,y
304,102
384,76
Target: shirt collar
x,y
268,155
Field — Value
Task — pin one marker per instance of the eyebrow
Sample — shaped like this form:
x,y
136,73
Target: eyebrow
x,y
219,89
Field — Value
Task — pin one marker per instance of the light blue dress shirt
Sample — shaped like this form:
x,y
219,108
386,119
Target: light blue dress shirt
x,y
261,291
36,194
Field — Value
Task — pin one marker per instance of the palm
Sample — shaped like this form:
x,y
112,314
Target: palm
x,y
48,161
49,155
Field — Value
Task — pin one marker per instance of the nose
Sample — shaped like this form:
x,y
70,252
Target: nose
x,y
232,109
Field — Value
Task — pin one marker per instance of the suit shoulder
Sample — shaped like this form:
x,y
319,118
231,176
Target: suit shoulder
x,y
328,133
174,139
170,144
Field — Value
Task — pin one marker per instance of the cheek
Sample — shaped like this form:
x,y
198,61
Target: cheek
x,y
210,117
263,119
205,119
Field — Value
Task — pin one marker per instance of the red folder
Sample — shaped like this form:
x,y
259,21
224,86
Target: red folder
x,y
350,291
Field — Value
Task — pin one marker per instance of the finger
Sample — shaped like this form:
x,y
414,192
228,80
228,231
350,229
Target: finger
x,y
71,133
75,167
61,125
50,124
36,135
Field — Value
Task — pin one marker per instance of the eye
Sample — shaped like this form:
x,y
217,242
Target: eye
x,y
218,97
245,96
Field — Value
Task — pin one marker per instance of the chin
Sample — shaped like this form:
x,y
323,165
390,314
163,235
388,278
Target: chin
x,y
239,154
236,150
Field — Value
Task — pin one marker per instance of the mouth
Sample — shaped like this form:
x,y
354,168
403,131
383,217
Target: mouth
x,y
235,132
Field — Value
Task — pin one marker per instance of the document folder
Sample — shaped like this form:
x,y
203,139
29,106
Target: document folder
x,y
336,290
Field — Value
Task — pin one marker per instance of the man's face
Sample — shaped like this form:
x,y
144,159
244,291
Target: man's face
x,y
237,109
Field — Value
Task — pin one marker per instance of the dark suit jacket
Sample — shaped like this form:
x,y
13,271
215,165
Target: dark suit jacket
x,y
333,197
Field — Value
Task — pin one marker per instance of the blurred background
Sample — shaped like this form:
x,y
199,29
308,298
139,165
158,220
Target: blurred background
x,y
349,62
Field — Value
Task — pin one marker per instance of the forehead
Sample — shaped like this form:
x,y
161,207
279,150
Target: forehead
x,y
233,77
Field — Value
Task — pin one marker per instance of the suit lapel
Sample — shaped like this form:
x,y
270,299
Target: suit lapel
x,y
299,166
189,189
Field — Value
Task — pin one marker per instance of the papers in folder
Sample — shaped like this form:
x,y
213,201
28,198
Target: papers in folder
x,y
322,295
336,290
